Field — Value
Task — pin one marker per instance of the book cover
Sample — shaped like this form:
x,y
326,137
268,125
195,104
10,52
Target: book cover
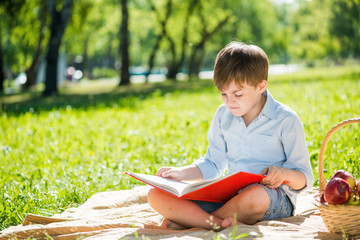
x,y
216,190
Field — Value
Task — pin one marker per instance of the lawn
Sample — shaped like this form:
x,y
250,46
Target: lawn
x,y
57,152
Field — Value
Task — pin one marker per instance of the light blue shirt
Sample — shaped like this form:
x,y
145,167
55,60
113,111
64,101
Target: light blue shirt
x,y
274,138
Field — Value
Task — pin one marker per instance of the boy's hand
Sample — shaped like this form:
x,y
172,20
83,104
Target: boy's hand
x,y
169,172
190,172
275,176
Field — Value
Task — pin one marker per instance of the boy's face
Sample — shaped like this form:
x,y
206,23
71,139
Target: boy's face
x,y
245,100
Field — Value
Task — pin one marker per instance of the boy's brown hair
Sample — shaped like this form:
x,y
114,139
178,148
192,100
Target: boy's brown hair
x,y
241,63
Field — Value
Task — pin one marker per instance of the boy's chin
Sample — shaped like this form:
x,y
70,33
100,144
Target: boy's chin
x,y
236,114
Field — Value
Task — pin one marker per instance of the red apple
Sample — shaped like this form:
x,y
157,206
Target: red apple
x,y
357,189
346,176
337,191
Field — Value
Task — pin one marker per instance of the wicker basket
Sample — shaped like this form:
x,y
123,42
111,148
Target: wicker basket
x,y
343,219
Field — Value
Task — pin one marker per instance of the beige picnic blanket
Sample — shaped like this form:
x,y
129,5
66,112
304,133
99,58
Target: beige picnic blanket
x,y
126,214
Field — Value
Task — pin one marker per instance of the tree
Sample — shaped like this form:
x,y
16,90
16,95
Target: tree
x,y
345,26
8,15
2,74
255,22
163,22
124,45
59,21
32,70
86,16
92,37
311,38
176,63
198,49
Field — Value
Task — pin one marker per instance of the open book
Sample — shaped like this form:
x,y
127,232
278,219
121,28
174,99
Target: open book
x,y
215,190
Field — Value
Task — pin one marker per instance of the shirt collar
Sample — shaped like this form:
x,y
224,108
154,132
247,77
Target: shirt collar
x,y
269,107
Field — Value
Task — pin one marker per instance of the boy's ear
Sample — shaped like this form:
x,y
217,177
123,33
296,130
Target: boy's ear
x,y
262,86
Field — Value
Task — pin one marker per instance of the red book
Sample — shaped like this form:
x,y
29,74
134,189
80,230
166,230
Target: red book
x,y
216,190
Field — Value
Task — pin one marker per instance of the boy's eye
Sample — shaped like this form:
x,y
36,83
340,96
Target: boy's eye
x,y
238,95
223,94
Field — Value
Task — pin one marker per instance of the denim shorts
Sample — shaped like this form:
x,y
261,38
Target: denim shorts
x,y
280,205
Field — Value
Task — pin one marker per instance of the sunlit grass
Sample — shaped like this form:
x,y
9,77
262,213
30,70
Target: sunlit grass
x,y
57,152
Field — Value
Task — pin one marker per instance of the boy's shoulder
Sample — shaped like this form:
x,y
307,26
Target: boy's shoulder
x,y
223,115
223,111
283,108
222,108
284,111
276,110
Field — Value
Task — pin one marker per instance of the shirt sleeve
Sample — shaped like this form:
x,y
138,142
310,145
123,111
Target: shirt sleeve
x,y
294,143
214,163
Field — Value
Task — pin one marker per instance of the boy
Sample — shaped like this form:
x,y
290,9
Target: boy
x,y
250,132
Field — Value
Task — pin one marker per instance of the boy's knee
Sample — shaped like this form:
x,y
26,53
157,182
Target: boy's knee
x,y
257,199
153,196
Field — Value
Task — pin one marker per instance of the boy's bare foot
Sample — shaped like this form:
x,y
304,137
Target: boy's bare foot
x,y
166,223
229,222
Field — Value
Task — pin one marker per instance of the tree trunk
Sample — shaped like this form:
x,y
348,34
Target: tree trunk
x,y
86,66
109,61
197,54
32,70
58,24
175,64
196,59
124,45
2,74
163,23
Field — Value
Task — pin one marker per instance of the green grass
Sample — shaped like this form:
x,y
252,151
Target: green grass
x,y
57,152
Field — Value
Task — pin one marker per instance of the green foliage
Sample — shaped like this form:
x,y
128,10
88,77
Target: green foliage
x,y
20,33
345,25
303,30
311,30
57,152
325,29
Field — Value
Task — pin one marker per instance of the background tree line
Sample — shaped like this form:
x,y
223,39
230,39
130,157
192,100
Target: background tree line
x,y
103,37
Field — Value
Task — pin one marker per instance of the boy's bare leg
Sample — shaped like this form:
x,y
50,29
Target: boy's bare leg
x,y
249,206
181,212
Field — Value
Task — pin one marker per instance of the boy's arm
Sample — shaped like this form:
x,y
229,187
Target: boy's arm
x,y
190,173
275,176
297,156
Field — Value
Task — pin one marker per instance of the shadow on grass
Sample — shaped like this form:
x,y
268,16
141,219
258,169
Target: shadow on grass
x,y
95,95
91,96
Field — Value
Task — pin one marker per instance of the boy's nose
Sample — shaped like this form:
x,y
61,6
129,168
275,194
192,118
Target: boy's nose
x,y
231,99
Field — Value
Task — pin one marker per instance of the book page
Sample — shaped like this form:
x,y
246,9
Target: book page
x,y
169,185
